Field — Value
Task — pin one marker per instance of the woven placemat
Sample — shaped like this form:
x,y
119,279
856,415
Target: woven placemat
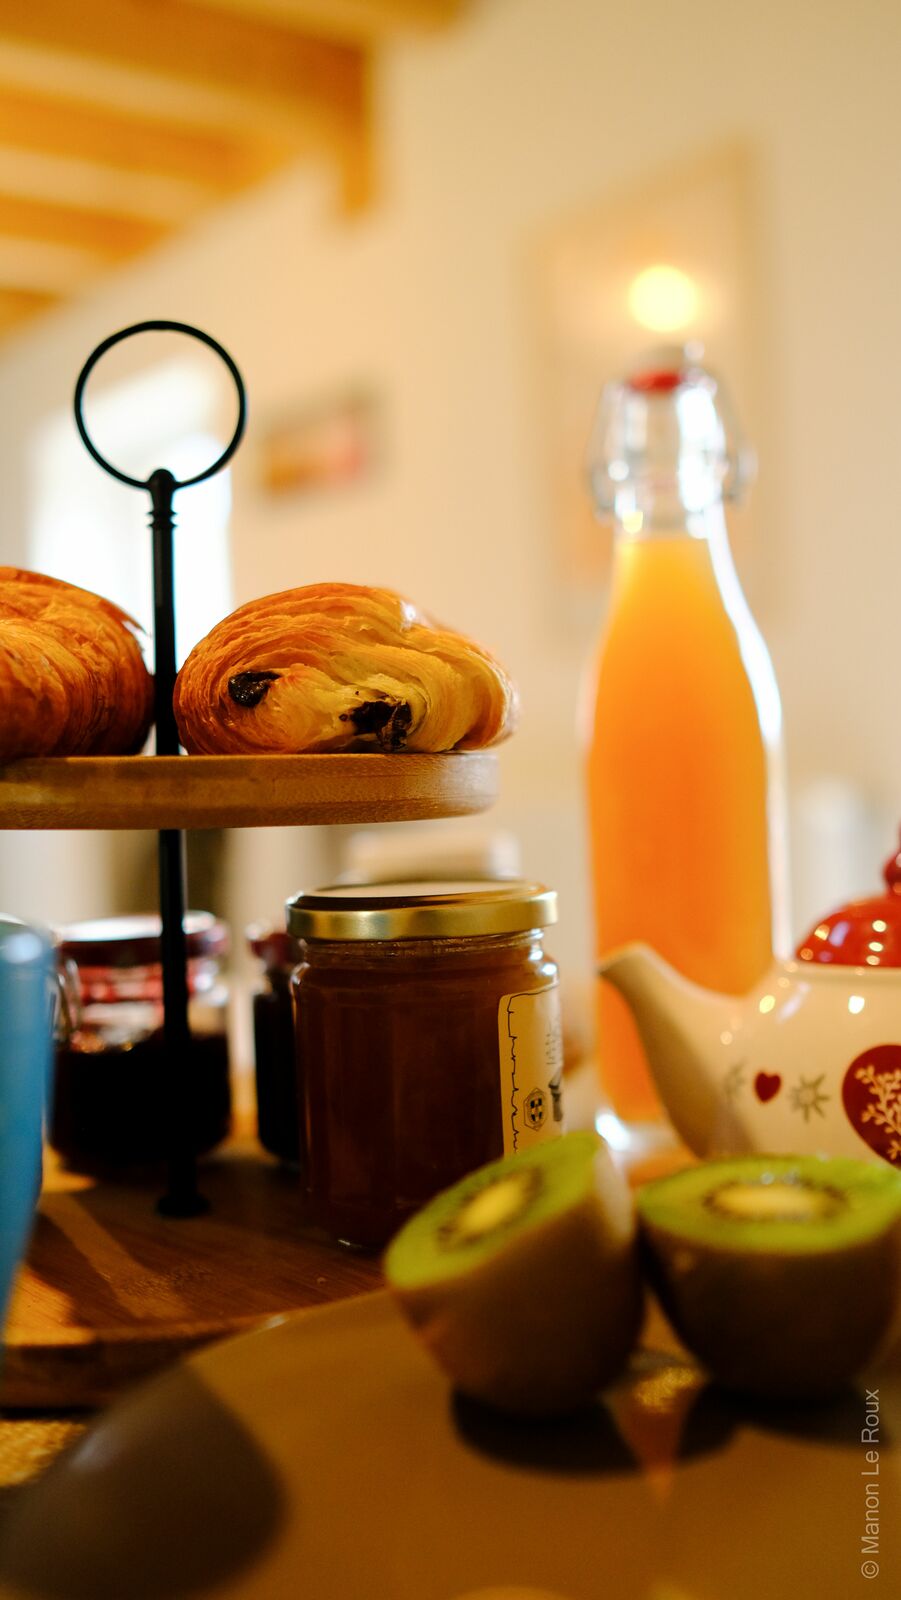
x,y
29,1444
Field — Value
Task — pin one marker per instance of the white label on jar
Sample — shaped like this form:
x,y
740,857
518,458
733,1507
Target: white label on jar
x,y
531,1060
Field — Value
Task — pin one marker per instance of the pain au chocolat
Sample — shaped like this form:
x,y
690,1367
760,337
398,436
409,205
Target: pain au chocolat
x,y
72,678
336,666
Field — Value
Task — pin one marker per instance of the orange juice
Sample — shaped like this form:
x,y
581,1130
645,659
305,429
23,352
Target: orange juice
x,y
677,786
682,760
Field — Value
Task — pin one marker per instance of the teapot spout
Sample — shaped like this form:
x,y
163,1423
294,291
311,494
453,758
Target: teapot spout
x,y
681,1027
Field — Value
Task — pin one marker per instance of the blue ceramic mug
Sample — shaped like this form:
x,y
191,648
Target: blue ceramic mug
x,y
27,987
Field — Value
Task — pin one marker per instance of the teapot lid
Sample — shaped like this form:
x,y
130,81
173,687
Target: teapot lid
x,y
864,933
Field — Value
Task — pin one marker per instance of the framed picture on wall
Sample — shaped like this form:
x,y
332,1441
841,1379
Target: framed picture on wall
x,y
326,445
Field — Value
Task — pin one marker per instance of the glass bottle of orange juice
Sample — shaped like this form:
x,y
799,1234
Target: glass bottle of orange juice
x,y
685,793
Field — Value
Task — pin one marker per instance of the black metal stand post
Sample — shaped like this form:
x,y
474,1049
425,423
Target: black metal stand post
x,y
182,1197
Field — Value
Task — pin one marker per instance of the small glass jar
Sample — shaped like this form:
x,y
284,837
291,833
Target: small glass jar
x,y
278,1111
428,1041
110,1101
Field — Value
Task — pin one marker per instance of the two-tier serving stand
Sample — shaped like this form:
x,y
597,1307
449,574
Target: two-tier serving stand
x,y
120,1278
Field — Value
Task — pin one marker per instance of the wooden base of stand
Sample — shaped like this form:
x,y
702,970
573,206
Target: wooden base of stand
x,y
112,1291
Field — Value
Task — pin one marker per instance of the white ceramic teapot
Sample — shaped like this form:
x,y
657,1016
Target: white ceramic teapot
x,y
809,1061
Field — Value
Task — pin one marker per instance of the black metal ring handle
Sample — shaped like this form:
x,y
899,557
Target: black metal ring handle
x,y
160,327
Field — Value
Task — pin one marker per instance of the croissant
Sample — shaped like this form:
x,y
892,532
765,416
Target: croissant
x,y
337,666
72,677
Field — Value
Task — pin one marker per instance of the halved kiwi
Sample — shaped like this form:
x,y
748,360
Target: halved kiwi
x,y
781,1273
523,1279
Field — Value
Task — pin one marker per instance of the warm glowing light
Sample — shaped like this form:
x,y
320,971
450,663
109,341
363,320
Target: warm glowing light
x,y
879,926
663,299
633,521
612,1131
767,1003
856,1004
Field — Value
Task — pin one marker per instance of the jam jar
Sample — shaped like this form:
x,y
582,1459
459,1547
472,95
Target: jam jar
x,y
278,1112
110,1103
428,1039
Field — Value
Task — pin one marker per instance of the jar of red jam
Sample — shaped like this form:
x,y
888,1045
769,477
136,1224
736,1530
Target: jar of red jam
x,y
278,1110
110,1101
428,1041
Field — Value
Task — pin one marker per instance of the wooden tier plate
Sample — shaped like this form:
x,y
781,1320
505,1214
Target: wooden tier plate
x,y
111,1290
243,791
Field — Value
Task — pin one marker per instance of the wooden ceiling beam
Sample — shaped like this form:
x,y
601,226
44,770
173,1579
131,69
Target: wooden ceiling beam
x,y
313,91
366,21
56,269
93,186
52,125
194,44
136,91
18,305
112,237
122,119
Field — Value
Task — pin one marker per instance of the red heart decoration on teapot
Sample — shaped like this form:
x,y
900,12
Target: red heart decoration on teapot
x,y
766,1084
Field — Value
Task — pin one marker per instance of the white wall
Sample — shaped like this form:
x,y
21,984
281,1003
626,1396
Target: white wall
x,y
529,110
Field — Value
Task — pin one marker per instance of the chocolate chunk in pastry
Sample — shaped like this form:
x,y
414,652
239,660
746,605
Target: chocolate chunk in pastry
x,y
389,720
72,678
248,688
337,666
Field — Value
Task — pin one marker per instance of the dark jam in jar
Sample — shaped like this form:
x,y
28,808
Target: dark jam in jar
x,y
278,1110
428,1042
110,1101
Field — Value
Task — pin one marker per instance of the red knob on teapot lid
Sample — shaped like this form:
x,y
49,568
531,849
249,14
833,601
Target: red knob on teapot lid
x,y
864,933
892,872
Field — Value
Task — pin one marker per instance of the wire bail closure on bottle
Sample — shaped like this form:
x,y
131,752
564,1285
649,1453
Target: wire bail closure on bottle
x,y
664,437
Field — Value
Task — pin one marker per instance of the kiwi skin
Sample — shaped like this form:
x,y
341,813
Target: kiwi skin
x,y
781,1324
548,1316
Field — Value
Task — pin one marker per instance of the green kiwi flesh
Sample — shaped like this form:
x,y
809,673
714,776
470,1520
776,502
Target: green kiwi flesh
x,y
781,1273
523,1280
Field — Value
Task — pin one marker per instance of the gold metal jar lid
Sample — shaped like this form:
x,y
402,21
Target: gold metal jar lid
x,y
421,911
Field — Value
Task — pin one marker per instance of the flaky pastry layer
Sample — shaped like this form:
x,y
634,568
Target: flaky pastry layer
x,y
337,666
72,678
